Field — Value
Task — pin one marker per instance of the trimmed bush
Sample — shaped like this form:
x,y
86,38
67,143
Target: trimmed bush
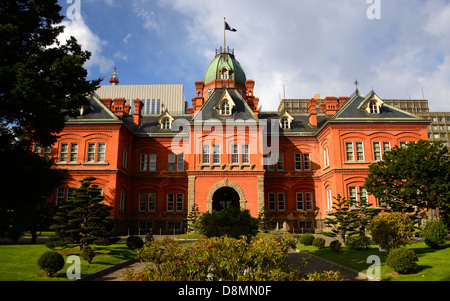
x,y
402,260
335,245
51,262
307,239
433,234
358,242
391,230
88,254
319,242
134,242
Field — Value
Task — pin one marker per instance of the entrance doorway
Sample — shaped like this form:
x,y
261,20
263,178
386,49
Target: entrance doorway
x,y
225,197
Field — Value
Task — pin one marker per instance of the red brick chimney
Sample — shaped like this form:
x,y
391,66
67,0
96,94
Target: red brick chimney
x,y
138,104
118,107
107,102
312,112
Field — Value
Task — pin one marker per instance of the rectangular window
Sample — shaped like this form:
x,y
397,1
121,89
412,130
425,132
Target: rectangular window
x,y
300,205
73,152
124,158
179,202
48,149
245,154
272,201
280,163
403,144
298,161
306,161
101,152
362,195
309,200
170,201
376,151
151,201
352,194
359,151
386,146
171,163
326,158
234,154
205,154
60,196
142,201
216,154
180,163
91,152
70,193
123,194
349,151
63,152
281,201
152,162
144,162
329,199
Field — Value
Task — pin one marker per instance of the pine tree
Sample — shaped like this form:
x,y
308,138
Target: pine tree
x,y
343,218
192,217
83,219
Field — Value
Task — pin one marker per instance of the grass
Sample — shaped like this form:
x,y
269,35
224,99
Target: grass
x,y
19,261
433,265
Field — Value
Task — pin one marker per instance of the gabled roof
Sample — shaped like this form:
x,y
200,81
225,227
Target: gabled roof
x,y
95,112
354,109
241,110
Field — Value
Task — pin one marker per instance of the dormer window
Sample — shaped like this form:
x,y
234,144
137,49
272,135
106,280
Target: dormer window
x,y
165,125
373,108
286,120
285,123
225,108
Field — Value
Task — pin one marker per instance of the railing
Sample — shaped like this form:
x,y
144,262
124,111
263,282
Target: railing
x,y
225,50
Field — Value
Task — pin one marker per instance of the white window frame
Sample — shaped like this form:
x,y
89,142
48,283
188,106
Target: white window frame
x,y
63,152
298,161
245,154
349,152
300,201
359,151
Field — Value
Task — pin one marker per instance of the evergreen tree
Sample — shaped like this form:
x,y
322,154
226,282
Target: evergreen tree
x,y
342,220
83,219
192,217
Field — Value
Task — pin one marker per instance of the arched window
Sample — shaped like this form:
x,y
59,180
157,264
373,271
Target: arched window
x,y
225,108
373,108
284,123
209,92
166,124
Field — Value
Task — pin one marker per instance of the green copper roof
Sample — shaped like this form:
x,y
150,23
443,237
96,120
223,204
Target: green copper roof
x,y
228,61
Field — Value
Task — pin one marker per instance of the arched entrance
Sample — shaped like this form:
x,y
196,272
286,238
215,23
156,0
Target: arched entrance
x,y
225,197
231,195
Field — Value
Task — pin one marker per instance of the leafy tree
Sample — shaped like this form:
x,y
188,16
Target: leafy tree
x,y
42,82
83,219
231,221
391,230
418,175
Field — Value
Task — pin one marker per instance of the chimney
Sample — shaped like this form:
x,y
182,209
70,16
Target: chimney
x,y
312,112
197,101
118,106
342,101
331,105
138,104
107,102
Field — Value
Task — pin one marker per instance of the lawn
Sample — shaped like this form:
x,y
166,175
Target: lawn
x,y
19,262
433,265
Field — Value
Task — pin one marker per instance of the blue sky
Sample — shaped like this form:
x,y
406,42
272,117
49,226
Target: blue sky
x,y
309,47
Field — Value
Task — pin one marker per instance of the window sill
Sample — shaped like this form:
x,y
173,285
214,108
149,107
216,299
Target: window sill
x,y
95,163
68,163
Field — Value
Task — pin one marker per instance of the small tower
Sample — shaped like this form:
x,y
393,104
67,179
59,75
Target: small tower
x,y
114,79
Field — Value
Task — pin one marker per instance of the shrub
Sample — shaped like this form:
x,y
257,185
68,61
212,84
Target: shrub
x,y
230,221
56,244
134,242
391,230
402,260
358,242
335,245
319,242
433,234
51,262
307,239
88,254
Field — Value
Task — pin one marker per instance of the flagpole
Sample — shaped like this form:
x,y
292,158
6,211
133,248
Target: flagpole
x,y
224,34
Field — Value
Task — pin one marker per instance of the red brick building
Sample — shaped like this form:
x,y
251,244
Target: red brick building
x,y
219,153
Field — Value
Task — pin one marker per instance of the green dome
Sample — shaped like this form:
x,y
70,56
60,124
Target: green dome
x,y
220,62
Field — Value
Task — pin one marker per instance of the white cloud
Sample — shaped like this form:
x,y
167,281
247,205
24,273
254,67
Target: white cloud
x,y
127,37
121,55
321,48
89,41
143,10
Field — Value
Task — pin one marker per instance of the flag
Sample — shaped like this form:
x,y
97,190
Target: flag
x,y
228,27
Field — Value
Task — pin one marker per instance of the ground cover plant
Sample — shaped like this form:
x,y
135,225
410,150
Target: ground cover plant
x,y
19,261
432,265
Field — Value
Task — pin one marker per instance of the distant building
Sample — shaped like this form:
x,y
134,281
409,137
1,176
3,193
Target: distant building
x,y
223,151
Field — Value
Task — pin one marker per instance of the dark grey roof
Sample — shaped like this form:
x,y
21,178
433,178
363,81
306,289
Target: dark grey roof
x,y
241,111
96,111
351,110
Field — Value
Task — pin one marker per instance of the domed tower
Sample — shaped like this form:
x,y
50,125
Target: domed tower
x,y
223,72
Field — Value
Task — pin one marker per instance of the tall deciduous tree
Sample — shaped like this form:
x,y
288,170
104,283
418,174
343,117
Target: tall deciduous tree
x,y
41,83
418,175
